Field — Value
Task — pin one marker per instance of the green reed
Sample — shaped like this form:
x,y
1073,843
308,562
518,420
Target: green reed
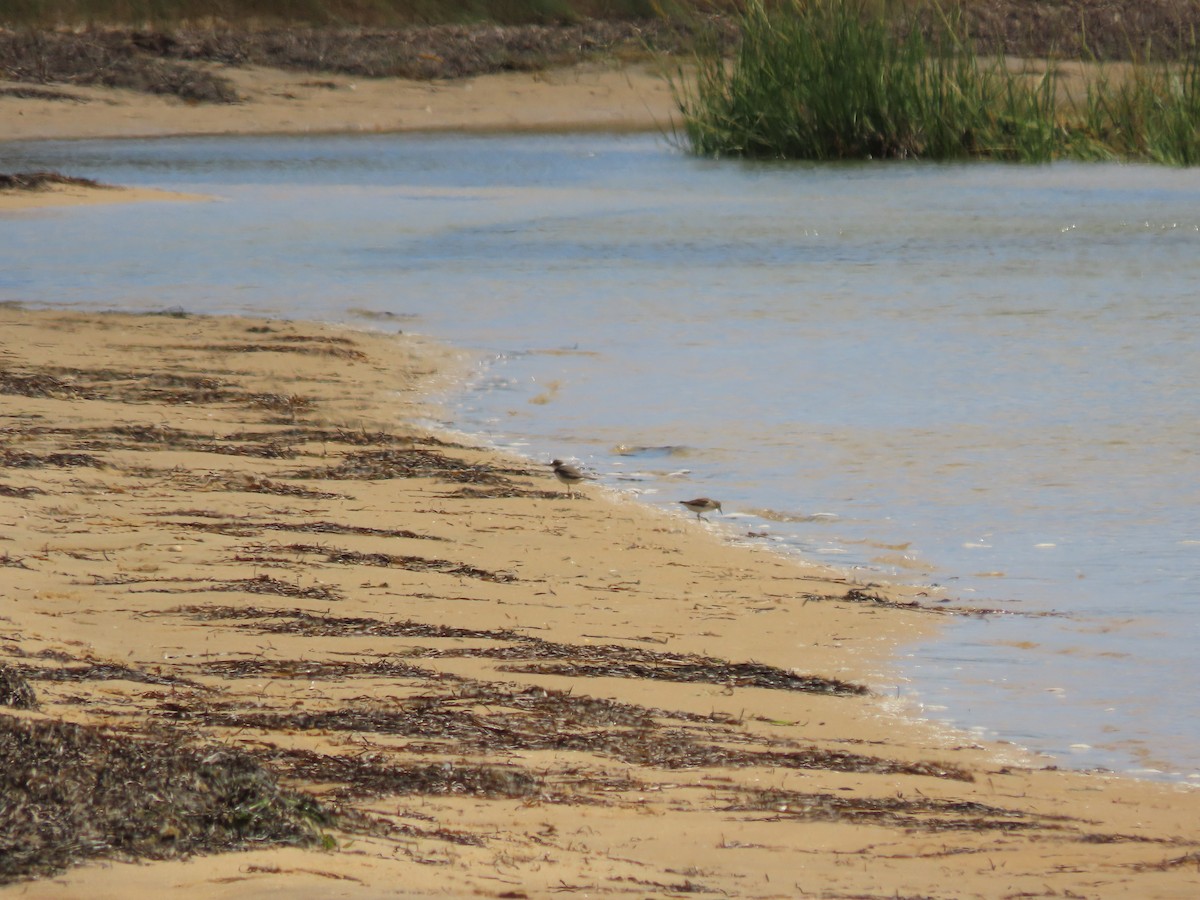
x,y
1153,115
845,79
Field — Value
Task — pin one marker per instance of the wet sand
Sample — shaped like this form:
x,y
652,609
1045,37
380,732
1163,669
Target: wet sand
x,y
231,529
71,195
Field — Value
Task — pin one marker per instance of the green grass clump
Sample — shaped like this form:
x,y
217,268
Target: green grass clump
x,y
841,79
1152,116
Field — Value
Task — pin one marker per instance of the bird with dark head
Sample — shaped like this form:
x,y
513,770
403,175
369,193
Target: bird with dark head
x,y
702,505
567,474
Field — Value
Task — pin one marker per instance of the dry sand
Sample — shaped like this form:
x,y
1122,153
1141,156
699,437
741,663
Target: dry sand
x,y
592,96
235,528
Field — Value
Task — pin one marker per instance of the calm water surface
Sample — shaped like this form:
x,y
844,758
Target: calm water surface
x,y
978,377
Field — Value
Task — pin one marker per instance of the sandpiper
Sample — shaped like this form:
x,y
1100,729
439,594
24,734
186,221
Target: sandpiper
x,y
567,474
702,505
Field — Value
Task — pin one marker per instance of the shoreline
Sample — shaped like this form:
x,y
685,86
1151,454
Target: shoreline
x,y
229,528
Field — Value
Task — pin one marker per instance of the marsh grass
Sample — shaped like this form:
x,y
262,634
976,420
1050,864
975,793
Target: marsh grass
x,y
1153,116
848,79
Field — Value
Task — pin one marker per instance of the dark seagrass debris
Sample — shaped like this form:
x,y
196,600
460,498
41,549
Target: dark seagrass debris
x,y
392,560
486,719
15,690
708,672
100,671
73,793
921,813
370,775
375,465
313,670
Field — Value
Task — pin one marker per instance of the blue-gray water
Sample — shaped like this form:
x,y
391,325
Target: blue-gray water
x,y
982,377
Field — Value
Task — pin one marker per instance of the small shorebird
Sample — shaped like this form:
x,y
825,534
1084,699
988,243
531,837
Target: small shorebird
x,y
702,505
567,474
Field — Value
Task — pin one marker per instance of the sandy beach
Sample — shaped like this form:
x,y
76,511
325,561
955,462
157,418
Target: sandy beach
x,y
227,536
230,530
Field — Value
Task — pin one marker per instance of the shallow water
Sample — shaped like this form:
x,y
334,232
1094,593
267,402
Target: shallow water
x,y
979,377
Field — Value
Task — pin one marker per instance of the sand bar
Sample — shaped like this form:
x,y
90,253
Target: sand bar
x,y
58,196
593,96
231,531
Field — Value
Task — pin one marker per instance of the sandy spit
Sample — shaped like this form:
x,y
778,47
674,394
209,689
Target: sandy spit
x,y
526,695
632,97
72,195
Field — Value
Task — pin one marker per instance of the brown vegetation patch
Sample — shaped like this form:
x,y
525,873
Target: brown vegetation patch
x,y
161,437
15,690
20,493
371,775
923,813
291,344
102,671
310,625
40,181
1083,29
37,384
108,58
306,434
181,62
1175,862
228,481
375,465
731,675
33,93
316,669
384,560
487,719
247,527
150,437
22,459
583,660
484,718
616,661
142,387
505,492
259,584
440,51
258,484
72,793
858,595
